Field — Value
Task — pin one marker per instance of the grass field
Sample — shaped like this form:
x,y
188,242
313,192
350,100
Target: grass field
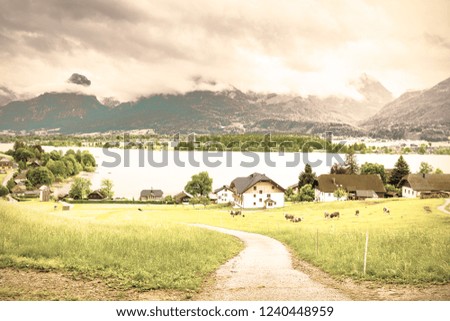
x,y
155,248
127,253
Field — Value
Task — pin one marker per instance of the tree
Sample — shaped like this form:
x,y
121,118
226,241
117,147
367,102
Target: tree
x,y
306,177
425,168
306,193
40,176
3,191
200,184
438,171
19,144
107,188
400,170
340,193
80,188
55,155
338,169
374,168
58,168
351,163
23,154
288,194
204,200
87,160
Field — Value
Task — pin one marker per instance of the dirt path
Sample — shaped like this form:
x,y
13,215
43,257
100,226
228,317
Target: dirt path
x,y
442,207
263,271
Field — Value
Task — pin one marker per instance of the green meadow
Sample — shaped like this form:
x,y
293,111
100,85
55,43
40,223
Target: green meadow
x,y
155,248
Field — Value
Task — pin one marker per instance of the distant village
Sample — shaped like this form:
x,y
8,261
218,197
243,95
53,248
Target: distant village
x,y
29,172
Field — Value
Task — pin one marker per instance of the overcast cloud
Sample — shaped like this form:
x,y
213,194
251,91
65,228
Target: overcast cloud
x,y
133,48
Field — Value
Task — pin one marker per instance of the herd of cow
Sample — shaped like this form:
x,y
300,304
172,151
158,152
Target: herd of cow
x,y
292,218
295,219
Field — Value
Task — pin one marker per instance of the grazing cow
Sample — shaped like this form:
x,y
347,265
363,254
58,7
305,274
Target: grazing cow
x,y
326,214
357,213
288,216
386,210
296,219
234,213
139,209
334,214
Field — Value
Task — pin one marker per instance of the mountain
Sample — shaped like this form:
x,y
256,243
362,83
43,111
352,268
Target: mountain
x,y
199,111
6,95
70,112
418,114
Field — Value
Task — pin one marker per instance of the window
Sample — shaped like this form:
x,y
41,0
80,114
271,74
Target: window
x,y
268,195
270,204
260,199
254,188
254,195
260,191
254,203
273,187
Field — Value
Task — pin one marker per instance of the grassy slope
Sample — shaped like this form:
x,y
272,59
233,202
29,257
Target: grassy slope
x,y
126,253
148,249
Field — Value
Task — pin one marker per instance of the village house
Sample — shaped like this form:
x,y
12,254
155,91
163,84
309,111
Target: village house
x,y
257,191
182,197
224,195
151,195
294,188
6,163
425,185
96,195
357,187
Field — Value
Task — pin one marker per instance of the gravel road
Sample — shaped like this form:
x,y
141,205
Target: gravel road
x,y
263,272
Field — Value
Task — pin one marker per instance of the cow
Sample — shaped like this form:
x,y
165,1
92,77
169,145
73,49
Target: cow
x,y
326,214
386,210
288,216
235,213
296,219
334,214
357,213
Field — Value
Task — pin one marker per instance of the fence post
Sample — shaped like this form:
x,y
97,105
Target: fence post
x,y
365,252
317,242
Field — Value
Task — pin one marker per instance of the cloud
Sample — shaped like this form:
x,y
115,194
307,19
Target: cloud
x,y
79,80
135,48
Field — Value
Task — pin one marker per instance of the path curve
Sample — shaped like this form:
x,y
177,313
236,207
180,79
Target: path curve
x,y
442,207
263,272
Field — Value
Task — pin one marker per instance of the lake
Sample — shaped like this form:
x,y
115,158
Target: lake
x,y
131,172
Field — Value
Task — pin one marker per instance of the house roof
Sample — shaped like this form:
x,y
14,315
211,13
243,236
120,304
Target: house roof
x,y
242,184
5,160
427,182
328,183
152,192
97,192
221,188
182,195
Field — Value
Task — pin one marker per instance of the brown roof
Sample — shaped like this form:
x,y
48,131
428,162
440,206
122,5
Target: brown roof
x,y
151,193
242,184
225,187
427,182
328,183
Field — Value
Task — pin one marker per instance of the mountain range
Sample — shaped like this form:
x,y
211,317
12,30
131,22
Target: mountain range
x,y
373,112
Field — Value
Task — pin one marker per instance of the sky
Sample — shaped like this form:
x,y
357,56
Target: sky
x,y
128,49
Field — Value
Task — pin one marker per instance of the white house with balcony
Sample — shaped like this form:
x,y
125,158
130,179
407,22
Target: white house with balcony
x,y
257,191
